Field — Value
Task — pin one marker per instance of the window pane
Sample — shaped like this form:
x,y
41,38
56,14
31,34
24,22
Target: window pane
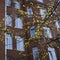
x,y
17,5
29,10
47,32
8,2
18,23
43,13
57,24
52,54
40,1
32,31
8,21
8,41
20,43
35,53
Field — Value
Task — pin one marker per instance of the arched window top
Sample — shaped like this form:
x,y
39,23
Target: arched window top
x,y
35,48
19,37
40,1
18,18
32,27
16,4
47,32
52,53
46,28
50,49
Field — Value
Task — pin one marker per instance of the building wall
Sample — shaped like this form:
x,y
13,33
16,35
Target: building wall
x,y
29,42
2,43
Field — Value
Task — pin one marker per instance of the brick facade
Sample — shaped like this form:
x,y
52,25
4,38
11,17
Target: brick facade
x,y
42,43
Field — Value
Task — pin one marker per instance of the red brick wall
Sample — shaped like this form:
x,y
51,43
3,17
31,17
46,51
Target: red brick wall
x,y
2,43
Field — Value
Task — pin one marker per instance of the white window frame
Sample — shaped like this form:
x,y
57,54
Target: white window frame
x,y
8,21
17,5
8,41
8,2
52,53
31,31
18,23
57,23
29,11
40,1
47,32
35,53
20,43
43,13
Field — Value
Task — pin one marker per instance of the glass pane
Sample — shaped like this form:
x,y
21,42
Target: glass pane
x,y
8,2
29,10
32,31
47,32
8,41
35,53
8,21
52,54
20,44
18,23
17,4
40,1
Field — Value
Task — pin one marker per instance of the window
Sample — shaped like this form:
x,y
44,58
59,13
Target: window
x,y
40,1
57,23
47,32
32,31
8,2
20,43
35,53
8,41
17,5
29,10
52,54
18,23
8,21
43,13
